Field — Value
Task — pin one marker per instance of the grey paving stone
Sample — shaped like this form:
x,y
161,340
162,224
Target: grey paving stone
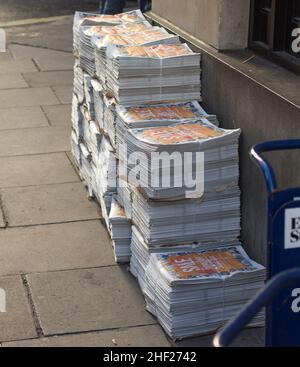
x,y
63,93
48,204
143,336
20,52
17,322
27,97
58,115
49,78
88,300
65,61
16,66
34,141
24,117
5,56
55,35
36,170
10,81
54,247
248,338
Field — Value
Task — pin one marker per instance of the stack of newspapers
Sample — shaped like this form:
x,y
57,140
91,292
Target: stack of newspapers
x,y
143,74
187,186
141,252
164,173
120,229
130,117
86,49
194,291
150,36
188,220
82,20
183,154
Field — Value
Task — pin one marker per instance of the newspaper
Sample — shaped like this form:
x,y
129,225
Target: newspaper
x,y
216,148
86,48
82,19
215,264
130,117
120,228
140,74
151,36
195,291
175,222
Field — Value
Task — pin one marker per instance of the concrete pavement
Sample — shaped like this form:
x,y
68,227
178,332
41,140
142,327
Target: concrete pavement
x,y
56,265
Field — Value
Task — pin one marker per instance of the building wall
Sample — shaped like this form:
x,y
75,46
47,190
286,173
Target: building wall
x,y
189,16
222,24
262,115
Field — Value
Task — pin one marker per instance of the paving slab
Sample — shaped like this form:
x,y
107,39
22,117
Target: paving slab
x,y
11,81
55,35
34,141
48,204
58,115
20,52
5,56
36,170
248,338
49,78
88,300
52,62
144,336
17,66
23,117
17,322
63,93
54,247
27,97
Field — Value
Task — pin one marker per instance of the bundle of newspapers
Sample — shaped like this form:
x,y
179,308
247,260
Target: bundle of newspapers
x,y
173,158
141,252
193,292
130,117
120,229
188,220
82,20
150,36
142,74
115,119
86,48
